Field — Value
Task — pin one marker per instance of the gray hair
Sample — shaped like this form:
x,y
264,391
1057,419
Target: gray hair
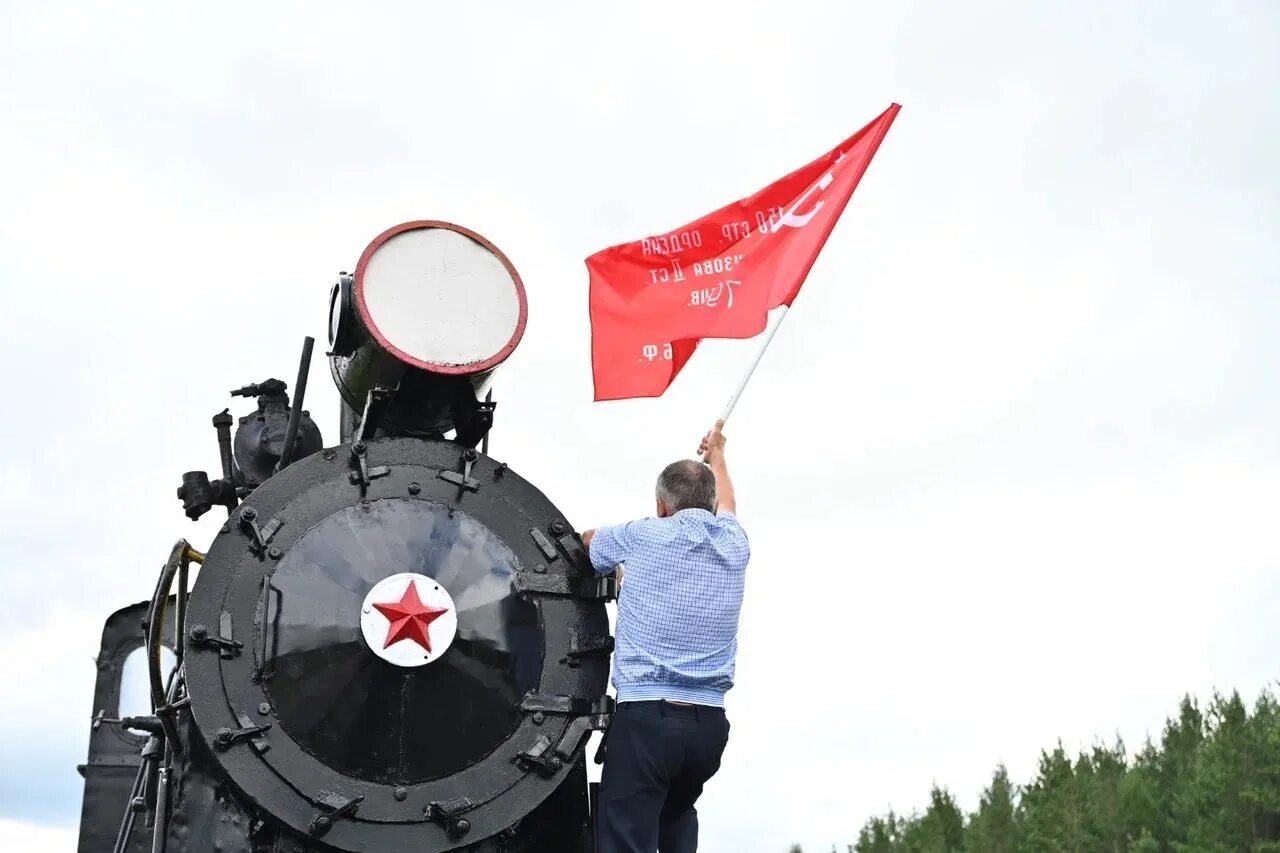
x,y
687,485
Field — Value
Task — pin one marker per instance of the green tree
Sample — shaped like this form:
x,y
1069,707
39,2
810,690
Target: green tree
x,y
1100,779
1229,797
879,835
1140,800
1263,791
1052,812
1181,740
1211,785
1144,843
993,828
939,830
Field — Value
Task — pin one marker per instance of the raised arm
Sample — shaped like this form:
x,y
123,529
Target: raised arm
x,y
712,450
608,546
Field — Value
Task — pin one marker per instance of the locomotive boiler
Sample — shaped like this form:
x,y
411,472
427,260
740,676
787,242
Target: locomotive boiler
x,y
393,643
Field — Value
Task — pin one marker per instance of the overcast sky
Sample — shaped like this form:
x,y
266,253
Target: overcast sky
x,y
1010,469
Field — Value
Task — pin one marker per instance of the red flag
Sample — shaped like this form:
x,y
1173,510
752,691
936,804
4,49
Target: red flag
x,y
653,300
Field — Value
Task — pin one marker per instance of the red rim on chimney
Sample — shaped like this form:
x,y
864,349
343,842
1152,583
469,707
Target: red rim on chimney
x,y
440,297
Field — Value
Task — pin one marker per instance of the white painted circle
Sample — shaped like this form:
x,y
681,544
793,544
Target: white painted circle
x,y
376,626
441,297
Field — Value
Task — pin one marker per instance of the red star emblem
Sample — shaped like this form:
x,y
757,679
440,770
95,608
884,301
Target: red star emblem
x,y
410,618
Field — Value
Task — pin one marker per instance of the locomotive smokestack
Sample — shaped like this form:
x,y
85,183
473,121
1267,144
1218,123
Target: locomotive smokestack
x,y
430,312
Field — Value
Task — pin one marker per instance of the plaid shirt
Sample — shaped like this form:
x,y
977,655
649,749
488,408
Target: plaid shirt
x,y
678,607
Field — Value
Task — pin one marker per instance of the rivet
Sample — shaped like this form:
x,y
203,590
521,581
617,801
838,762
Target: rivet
x,y
540,569
264,708
274,552
248,513
400,794
199,632
414,488
539,718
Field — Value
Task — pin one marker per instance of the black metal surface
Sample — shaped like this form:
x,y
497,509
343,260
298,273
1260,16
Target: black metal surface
x,y
419,403
296,411
490,406
199,495
260,439
343,335
222,425
368,718
114,751
350,724
207,816
280,730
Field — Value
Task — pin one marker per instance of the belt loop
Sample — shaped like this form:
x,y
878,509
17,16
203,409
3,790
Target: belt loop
x,y
697,713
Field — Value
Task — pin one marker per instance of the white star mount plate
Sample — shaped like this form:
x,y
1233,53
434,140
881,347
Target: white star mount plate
x,y
408,619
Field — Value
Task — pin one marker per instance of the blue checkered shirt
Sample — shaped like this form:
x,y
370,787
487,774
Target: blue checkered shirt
x,y
677,632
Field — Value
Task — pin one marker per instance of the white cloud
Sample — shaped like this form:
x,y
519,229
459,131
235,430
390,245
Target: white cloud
x,y
19,835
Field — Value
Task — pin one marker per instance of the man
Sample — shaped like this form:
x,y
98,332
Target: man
x,y
674,653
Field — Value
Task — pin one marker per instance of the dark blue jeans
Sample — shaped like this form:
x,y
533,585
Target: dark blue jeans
x,y
657,758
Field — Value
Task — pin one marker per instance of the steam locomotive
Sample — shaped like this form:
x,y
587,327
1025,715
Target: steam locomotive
x,y
393,644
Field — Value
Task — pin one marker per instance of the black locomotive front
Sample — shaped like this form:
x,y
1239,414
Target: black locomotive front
x,y
393,644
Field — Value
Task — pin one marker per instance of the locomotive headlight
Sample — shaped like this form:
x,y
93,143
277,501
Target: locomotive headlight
x,y
440,298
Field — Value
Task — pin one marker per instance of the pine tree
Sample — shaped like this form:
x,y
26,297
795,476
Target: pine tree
x,y
879,835
1211,785
1215,803
1052,813
993,828
1144,843
939,830
1140,800
1100,790
1263,790
1178,748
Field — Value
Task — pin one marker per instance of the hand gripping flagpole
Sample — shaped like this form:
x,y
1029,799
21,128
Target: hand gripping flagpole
x,y
764,345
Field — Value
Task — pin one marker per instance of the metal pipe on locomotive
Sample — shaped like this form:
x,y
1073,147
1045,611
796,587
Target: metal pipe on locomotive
x,y
394,643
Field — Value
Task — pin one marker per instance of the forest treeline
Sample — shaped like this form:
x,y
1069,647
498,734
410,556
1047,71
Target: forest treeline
x,y
1211,785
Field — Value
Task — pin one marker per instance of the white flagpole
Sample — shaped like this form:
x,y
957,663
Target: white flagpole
x,y
764,345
